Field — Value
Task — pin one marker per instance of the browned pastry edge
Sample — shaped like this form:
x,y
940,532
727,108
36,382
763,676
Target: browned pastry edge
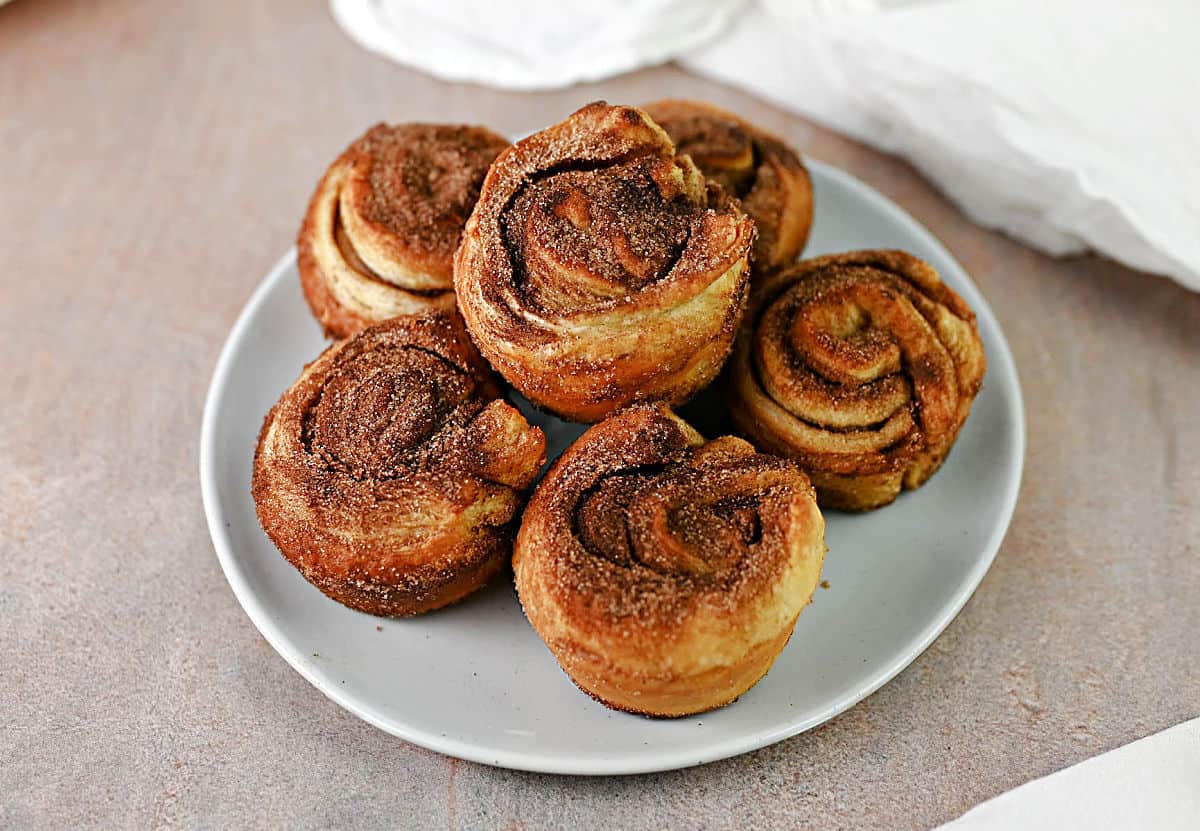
x,y
731,683
665,573
860,366
390,474
760,169
429,592
409,188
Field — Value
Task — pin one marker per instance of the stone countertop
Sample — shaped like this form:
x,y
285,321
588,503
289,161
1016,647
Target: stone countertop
x,y
156,161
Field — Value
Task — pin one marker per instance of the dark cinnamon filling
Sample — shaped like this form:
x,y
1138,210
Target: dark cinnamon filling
x,y
381,413
578,236
425,179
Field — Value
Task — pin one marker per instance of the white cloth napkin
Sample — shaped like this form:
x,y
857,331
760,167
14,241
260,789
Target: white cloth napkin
x,y
1071,124
1153,783
532,44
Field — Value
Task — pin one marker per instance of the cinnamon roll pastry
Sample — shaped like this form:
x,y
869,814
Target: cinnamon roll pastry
x,y
599,269
666,573
379,237
862,367
760,169
391,474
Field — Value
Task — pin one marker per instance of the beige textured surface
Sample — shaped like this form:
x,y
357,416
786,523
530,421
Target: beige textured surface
x,y
154,162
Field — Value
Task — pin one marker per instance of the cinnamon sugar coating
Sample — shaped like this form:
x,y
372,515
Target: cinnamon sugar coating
x,y
379,237
663,572
759,169
391,474
598,268
860,366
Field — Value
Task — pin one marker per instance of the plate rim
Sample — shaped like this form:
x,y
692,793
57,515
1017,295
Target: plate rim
x,y
1001,362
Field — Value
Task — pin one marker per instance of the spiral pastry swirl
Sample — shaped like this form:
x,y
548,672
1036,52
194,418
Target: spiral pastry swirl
x,y
760,169
598,268
862,367
379,236
391,474
665,573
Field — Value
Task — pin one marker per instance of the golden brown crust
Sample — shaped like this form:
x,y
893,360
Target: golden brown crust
x,y
860,366
663,572
379,236
761,170
598,269
391,474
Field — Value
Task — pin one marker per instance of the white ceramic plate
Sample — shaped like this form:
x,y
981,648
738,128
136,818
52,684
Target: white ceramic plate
x,y
474,681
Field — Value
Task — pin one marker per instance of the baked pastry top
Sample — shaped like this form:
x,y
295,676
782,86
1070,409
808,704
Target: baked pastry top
x,y
599,269
860,366
392,474
379,237
664,572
